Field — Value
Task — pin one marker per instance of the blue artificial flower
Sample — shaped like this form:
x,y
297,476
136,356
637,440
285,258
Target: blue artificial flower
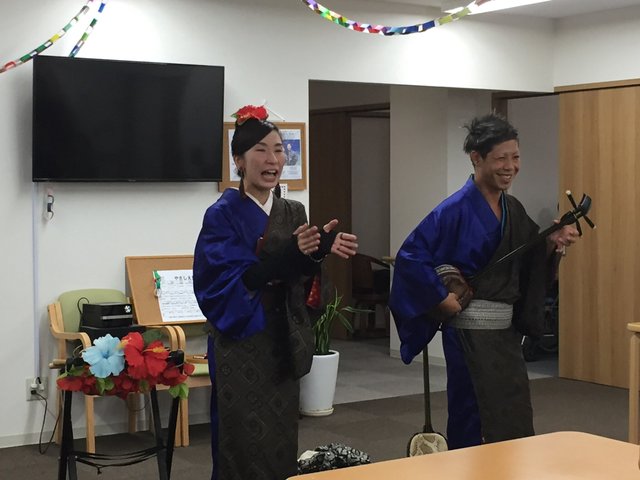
x,y
106,357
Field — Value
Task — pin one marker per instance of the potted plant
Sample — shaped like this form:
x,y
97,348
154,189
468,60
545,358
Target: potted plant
x,y
318,387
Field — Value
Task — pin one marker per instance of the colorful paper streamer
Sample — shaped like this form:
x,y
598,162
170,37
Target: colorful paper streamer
x,y
385,30
36,51
87,32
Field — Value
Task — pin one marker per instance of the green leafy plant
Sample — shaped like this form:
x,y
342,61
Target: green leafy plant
x,y
322,328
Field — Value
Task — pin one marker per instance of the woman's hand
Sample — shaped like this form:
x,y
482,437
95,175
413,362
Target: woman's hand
x,y
308,238
563,238
345,244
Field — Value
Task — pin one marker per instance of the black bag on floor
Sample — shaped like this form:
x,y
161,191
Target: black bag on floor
x,y
331,457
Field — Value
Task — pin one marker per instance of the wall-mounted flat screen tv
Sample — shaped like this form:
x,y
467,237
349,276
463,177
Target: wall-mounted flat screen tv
x,y
122,121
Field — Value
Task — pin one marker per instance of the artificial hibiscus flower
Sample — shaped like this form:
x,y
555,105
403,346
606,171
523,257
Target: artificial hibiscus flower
x,y
70,383
105,357
124,385
172,375
144,362
144,365
250,111
90,385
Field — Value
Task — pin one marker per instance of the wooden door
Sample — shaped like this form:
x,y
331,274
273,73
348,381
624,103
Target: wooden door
x,y
599,151
330,188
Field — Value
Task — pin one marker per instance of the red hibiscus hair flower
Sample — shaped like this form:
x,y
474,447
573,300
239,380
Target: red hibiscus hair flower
x,y
250,111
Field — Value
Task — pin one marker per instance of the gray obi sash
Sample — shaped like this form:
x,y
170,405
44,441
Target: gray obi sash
x,y
484,315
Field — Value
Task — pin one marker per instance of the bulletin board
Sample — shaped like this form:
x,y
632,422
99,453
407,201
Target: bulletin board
x,y
141,285
294,172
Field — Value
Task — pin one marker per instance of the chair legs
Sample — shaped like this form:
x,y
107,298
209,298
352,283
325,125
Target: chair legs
x,y
183,422
91,429
133,406
88,408
59,406
182,430
181,438
634,386
367,326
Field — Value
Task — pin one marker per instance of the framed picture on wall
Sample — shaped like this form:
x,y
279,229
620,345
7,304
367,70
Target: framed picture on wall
x,y
294,172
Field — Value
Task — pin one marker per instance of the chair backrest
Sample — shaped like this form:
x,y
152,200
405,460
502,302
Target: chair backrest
x,y
71,303
361,273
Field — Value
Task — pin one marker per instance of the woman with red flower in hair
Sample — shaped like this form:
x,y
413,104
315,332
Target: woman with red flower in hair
x,y
253,255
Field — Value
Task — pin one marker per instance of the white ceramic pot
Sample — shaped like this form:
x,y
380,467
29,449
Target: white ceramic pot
x,y
318,387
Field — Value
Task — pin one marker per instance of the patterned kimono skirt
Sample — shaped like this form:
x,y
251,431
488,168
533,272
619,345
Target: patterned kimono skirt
x,y
488,386
255,400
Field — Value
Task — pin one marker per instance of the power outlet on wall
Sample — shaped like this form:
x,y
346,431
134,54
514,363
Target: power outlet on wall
x,y
36,388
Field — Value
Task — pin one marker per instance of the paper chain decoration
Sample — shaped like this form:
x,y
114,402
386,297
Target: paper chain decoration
x,y
313,5
384,30
57,36
87,31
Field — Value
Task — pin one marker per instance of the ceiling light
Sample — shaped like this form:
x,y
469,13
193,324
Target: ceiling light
x,y
453,6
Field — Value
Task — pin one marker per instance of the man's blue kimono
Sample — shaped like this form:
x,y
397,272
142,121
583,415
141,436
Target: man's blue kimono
x,y
464,232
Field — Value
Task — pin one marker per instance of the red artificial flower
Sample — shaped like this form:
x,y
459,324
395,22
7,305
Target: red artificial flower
x,y
145,367
124,385
79,379
131,341
144,362
188,368
70,383
89,387
172,375
250,111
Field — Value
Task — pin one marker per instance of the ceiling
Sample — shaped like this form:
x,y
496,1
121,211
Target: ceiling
x,y
552,9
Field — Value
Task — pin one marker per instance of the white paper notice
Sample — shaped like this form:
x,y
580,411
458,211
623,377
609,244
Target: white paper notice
x,y
177,300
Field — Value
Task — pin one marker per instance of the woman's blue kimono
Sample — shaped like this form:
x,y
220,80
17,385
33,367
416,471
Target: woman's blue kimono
x,y
260,342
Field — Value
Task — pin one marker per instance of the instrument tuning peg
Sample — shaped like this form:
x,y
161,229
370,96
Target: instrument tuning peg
x,y
589,222
570,196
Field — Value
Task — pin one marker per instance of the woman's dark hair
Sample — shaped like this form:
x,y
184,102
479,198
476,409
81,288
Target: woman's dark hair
x,y
245,136
249,133
486,132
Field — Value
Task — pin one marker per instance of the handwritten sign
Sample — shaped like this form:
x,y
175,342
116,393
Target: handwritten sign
x,y
175,295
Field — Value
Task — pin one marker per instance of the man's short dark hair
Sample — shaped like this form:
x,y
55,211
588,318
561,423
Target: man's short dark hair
x,y
486,132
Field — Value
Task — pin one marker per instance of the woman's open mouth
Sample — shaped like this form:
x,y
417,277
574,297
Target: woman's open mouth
x,y
270,174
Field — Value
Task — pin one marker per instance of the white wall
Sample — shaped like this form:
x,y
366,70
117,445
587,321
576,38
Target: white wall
x,y
462,106
598,47
257,41
537,184
418,164
428,163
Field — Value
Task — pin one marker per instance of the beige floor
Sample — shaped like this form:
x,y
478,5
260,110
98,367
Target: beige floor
x,y
367,372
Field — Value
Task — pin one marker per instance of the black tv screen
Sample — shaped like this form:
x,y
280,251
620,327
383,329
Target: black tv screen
x,y
121,121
